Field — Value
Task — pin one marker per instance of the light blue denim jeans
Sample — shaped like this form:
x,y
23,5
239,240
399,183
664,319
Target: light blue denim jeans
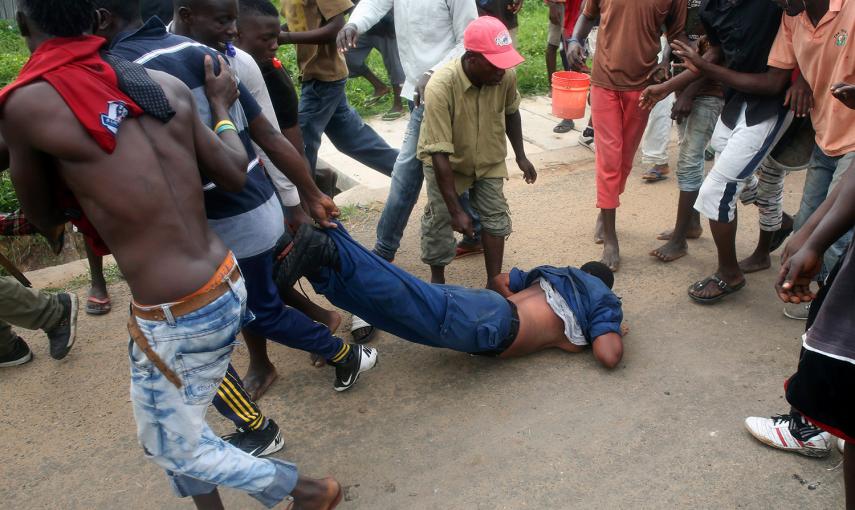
x,y
407,178
171,423
823,174
695,134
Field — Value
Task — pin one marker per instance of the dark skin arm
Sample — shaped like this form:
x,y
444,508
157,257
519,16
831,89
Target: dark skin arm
x,y
834,218
32,172
291,163
4,155
460,221
513,128
323,35
845,93
770,83
575,52
222,160
655,93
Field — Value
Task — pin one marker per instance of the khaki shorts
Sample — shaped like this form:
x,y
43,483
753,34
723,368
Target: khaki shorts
x,y
485,197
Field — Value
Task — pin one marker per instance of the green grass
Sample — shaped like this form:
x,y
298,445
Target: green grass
x,y
111,275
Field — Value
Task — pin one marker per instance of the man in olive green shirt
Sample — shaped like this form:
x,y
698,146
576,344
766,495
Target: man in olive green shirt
x,y
470,105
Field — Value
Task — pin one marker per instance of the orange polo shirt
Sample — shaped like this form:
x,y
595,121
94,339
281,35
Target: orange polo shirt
x,y
825,54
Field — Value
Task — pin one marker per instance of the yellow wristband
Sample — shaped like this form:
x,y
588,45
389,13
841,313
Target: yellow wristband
x,y
224,123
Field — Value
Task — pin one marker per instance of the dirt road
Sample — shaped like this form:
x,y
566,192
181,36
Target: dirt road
x,y
433,429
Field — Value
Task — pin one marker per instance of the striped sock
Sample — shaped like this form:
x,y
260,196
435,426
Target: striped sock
x,y
343,355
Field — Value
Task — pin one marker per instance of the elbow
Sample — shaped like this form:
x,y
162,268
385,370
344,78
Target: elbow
x,y
612,360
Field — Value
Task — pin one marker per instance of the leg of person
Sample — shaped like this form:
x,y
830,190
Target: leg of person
x,y
632,122
55,314
170,419
318,101
836,251
437,241
697,131
291,328
352,136
768,195
13,350
745,149
488,199
354,279
255,434
356,57
407,177
98,301
388,48
608,122
654,143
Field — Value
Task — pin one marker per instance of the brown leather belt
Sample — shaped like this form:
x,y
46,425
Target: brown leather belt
x,y
177,310
189,305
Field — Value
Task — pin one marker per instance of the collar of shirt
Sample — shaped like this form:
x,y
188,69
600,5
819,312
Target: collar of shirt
x,y
461,75
152,28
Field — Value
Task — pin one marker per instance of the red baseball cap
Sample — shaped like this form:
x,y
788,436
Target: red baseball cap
x,y
489,37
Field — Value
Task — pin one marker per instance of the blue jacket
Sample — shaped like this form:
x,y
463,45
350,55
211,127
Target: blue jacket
x,y
597,308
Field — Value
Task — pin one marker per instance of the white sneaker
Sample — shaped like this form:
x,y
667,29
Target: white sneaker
x,y
840,444
791,433
362,360
797,311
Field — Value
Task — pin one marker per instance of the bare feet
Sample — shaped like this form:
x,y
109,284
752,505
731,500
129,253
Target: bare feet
x,y
624,329
755,262
323,494
693,232
671,251
611,256
598,230
258,379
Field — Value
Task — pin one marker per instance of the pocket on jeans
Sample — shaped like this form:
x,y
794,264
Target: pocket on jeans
x,y
202,372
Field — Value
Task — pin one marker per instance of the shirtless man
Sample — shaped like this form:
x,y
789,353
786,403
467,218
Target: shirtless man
x,y
565,308
68,124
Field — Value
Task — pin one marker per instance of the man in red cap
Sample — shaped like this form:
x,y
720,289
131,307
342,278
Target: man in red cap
x,y
470,105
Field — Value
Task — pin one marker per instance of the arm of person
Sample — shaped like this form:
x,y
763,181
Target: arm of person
x,y
333,12
586,22
685,100
32,172
770,83
366,14
835,217
460,220
513,127
608,349
294,166
655,93
222,157
4,154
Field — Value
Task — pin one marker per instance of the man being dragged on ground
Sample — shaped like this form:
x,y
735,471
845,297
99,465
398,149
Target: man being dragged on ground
x,y
547,307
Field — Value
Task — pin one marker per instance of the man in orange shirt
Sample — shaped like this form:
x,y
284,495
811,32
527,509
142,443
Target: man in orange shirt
x,y
625,64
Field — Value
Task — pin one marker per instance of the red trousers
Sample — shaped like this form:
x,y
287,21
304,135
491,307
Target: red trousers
x,y
618,127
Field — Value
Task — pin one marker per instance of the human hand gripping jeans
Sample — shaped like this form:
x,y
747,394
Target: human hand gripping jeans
x,y
171,423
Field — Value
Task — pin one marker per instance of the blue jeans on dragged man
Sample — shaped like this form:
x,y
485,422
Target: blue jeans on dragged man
x,y
324,109
171,424
277,322
823,174
407,179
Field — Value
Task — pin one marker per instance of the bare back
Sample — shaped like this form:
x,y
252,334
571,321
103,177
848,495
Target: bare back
x,y
145,199
540,327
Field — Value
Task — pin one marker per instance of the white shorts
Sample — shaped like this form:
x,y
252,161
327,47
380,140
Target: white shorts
x,y
739,152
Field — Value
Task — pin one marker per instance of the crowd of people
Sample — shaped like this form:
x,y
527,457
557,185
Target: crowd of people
x,y
172,137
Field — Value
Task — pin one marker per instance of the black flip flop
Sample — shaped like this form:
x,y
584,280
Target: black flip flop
x,y
725,288
565,126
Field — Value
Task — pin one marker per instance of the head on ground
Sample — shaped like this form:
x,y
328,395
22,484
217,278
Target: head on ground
x,y
210,22
601,271
40,20
489,51
114,16
258,29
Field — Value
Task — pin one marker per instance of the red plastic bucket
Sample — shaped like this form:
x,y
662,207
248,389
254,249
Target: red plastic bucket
x,y
570,94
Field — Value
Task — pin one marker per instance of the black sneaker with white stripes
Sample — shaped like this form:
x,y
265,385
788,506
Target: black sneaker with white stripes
x,y
19,354
63,334
361,359
258,443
